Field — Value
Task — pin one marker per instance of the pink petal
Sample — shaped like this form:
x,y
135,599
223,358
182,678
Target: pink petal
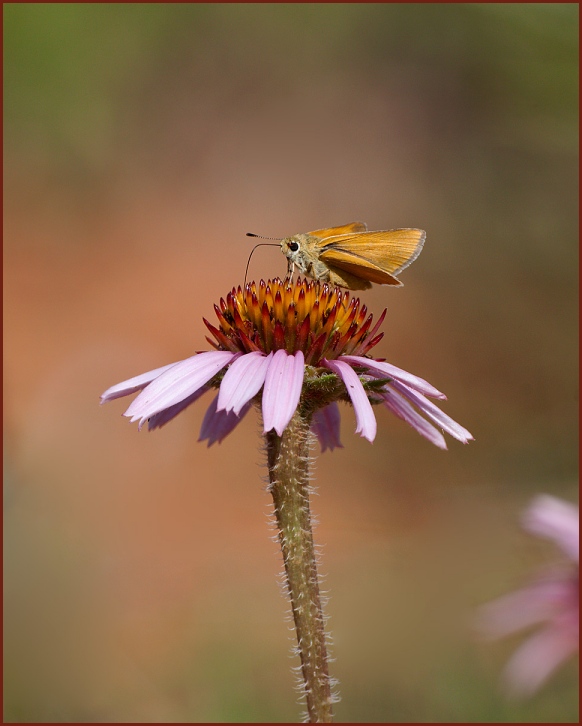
x,y
556,520
537,658
161,419
282,390
177,383
404,410
325,424
387,370
216,425
365,419
242,381
433,412
133,384
523,608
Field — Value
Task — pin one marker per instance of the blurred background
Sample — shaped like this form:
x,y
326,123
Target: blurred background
x,y
141,142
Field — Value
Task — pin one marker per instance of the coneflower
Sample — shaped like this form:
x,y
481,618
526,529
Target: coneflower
x,y
294,349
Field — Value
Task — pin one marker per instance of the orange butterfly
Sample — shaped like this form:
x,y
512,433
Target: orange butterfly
x,y
351,256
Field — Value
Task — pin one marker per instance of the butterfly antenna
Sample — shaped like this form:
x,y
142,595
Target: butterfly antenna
x,y
260,236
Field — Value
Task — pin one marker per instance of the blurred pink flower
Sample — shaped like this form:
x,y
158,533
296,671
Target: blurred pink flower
x,y
286,338
551,600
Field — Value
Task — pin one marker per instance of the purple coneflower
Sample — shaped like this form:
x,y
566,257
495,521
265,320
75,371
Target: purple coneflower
x,y
551,600
294,350
287,340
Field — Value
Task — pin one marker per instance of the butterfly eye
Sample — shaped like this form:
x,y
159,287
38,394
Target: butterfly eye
x,y
293,246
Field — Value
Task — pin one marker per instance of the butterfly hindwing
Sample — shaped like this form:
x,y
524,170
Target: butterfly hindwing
x,y
359,267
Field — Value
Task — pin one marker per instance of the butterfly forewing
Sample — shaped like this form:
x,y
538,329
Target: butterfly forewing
x,y
389,251
344,229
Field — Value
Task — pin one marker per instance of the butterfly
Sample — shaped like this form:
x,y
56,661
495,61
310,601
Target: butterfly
x,y
351,256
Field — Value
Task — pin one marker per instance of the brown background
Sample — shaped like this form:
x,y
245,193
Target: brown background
x,y
141,143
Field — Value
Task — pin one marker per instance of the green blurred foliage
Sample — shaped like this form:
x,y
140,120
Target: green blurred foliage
x,y
74,71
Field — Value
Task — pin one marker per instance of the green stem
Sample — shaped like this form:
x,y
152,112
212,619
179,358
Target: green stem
x,y
288,461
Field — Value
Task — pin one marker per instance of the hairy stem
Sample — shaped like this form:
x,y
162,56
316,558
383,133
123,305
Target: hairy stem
x,y
288,461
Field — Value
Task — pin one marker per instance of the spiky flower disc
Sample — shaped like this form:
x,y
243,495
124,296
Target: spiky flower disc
x,y
314,318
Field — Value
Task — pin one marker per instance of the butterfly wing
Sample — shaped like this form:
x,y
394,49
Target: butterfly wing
x,y
373,256
344,229
360,269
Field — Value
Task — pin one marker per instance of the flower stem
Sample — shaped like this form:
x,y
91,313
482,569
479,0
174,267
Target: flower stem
x,y
288,461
